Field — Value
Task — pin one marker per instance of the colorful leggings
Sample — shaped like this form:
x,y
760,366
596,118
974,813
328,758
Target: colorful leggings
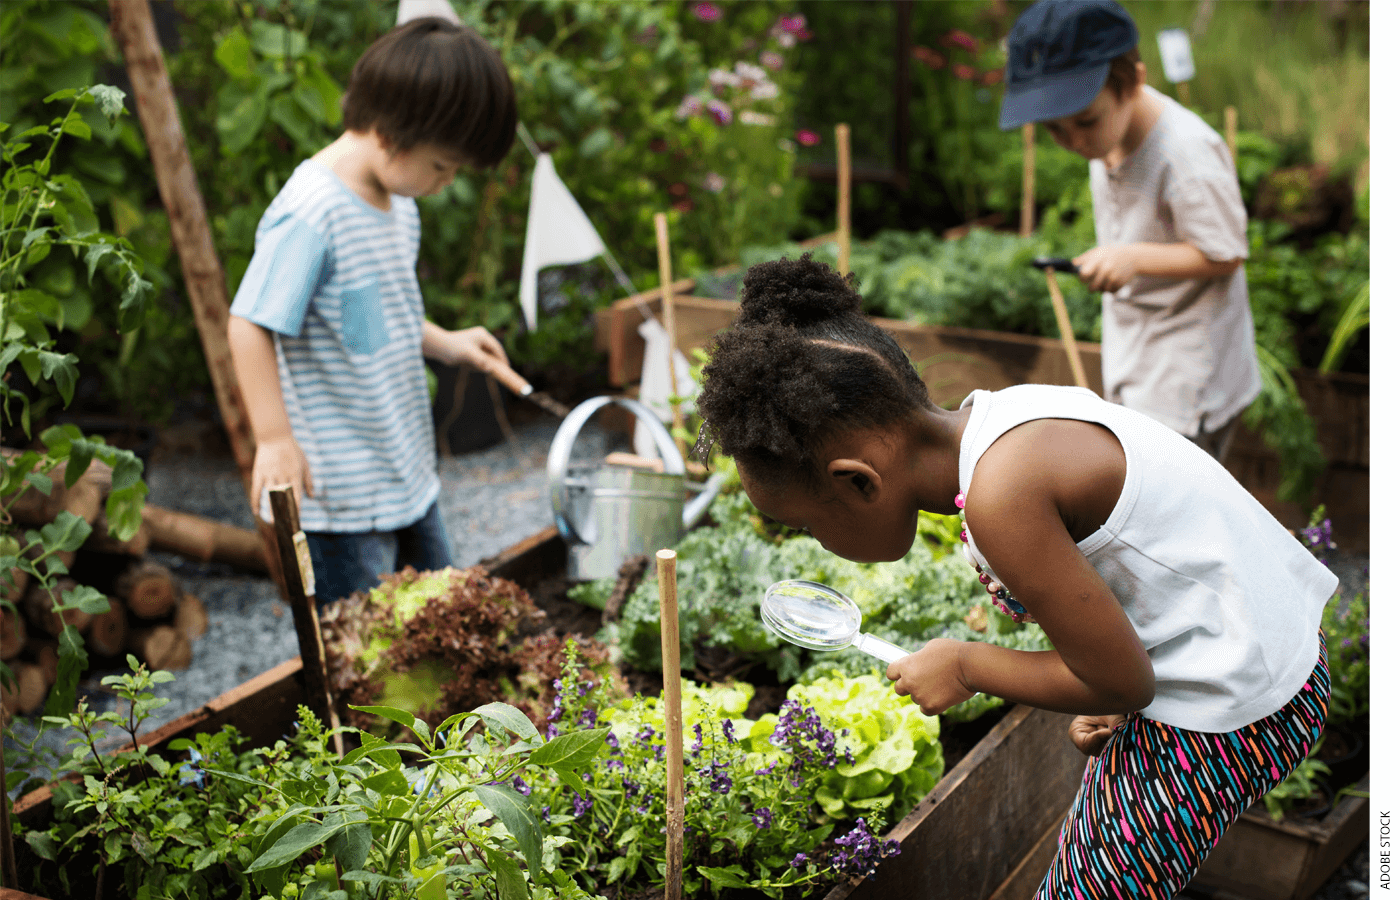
x,y
1156,801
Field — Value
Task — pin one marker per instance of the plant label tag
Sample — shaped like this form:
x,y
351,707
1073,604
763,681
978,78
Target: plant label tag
x,y
1175,47
308,574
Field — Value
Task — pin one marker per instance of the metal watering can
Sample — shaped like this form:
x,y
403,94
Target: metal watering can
x,y
607,513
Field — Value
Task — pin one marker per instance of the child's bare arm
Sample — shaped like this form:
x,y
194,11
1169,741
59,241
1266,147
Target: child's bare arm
x,y
278,458
1035,485
1109,267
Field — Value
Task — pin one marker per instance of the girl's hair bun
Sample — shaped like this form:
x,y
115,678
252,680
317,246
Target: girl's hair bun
x,y
797,292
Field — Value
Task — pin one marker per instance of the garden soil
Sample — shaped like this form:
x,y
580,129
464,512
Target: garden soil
x,y
491,499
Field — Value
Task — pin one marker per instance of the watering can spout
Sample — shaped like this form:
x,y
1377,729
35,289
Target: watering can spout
x,y
698,505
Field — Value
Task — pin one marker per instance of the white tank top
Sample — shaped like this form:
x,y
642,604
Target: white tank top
x,y
1226,600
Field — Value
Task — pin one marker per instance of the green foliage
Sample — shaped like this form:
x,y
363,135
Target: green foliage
x,y
892,755
1299,785
386,820
43,210
750,823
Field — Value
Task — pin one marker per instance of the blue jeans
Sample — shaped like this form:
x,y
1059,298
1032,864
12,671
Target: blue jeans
x,y
345,562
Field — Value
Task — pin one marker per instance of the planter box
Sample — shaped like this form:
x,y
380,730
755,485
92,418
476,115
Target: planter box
x,y
959,843
955,361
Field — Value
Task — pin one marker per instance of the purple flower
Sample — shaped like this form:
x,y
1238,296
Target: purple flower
x,y
707,12
772,59
727,726
861,851
521,786
720,112
799,861
689,107
699,739
762,817
582,805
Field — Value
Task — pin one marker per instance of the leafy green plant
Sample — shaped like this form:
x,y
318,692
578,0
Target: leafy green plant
x,y
1298,786
387,820
43,210
891,753
750,823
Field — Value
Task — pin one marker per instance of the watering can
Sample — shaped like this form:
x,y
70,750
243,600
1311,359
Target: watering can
x,y
608,513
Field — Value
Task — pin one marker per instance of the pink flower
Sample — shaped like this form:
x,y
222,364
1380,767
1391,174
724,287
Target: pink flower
x,y
958,38
678,189
720,112
964,71
793,24
808,138
772,59
714,182
685,205
991,77
931,58
690,106
707,12
790,29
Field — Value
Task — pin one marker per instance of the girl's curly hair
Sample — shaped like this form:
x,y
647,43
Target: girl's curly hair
x,y
800,363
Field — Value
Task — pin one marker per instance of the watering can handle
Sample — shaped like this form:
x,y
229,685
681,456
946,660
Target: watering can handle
x,y
562,448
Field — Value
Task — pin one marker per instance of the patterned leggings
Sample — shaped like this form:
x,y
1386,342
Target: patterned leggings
x,y
1156,801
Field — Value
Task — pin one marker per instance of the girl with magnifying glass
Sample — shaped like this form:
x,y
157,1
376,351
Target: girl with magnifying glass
x,y
1184,618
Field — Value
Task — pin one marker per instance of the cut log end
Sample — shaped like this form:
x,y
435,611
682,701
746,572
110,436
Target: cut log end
x,y
106,634
26,695
191,617
149,589
12,633
161,647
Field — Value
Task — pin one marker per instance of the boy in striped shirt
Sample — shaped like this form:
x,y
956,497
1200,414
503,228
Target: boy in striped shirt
x,y
327,328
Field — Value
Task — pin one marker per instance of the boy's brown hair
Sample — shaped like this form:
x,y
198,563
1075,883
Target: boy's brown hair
x,y
1123,72
433,81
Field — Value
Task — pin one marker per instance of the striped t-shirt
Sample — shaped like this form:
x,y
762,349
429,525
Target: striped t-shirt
x,y
332,277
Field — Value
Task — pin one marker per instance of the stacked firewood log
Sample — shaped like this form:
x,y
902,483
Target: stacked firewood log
x,y
150,615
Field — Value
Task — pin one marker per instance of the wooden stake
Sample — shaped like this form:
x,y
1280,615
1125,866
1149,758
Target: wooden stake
x,y
675,737
668,318
294,557
1231,126
1066,330
189,231
843,198
1027,179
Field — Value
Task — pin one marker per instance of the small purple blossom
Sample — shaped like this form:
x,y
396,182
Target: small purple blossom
x,y
582,805
699,739
762,817
720,112
861,850
520,785
799,861
727,726
772,59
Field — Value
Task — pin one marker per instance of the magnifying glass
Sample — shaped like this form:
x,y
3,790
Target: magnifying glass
x,y
818,617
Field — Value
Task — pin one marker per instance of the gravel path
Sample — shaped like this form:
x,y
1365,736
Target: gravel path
x,y
491,499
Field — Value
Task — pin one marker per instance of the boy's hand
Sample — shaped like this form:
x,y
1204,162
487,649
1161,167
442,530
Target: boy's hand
x,y
478,347
276,462
1091,733
1107,268
931,676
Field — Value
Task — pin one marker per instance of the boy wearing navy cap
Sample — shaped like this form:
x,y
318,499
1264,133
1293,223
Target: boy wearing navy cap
x,y
1178,335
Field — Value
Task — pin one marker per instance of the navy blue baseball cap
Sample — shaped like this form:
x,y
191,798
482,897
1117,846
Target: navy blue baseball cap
x,y
1058,56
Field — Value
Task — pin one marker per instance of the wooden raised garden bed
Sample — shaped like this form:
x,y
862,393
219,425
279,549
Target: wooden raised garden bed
x,y
962,841
955,361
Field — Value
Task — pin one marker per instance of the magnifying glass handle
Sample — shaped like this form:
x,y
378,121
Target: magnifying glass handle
x,y
878,648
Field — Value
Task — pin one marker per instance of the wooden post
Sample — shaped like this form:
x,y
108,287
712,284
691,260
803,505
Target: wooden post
x,y
1027,179
1076,365
843,198
668,317
9,868
1232,122
189,230
675,736
294,557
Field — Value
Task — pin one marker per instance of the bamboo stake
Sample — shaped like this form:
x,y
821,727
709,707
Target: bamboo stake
x,y
675,738
1027,179
1231,126
1066,330
668,318
189,231
843,198
294,557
